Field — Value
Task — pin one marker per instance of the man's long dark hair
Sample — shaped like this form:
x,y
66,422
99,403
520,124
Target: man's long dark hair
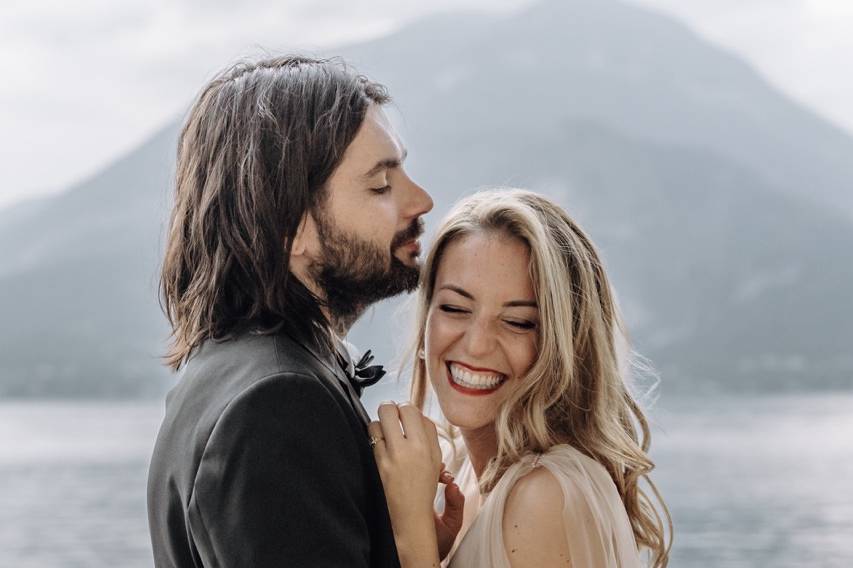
x,y
254,155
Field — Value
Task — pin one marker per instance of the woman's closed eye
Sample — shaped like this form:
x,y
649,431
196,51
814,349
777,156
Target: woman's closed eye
x,y
452,309
521,324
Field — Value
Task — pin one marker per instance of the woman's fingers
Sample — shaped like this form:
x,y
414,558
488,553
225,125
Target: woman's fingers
x,y
377,440
389,421
411,419
454,507
432,439
408,432
421,430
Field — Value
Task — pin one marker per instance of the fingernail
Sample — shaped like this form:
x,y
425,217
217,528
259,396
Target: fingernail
x,y
387,402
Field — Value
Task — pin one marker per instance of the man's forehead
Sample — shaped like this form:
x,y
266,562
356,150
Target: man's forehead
x,y
389,115
379,126
377,146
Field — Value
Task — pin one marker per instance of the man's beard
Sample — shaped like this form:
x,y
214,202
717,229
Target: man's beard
x,y
354,273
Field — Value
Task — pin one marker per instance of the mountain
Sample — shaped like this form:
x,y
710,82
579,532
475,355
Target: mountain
x,y
622,66
78,283
723,209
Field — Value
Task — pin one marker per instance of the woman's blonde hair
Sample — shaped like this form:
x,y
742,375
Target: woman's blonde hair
x,y
575,392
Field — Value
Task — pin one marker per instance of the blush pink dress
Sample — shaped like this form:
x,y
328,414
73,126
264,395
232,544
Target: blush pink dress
x,y
597,528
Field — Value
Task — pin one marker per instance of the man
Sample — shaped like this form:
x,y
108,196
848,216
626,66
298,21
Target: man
x,y
292,214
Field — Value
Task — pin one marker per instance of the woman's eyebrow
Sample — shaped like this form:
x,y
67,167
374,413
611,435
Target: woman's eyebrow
x,y
458,290
521,303
467,294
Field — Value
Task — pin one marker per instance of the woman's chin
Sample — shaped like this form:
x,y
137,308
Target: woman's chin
x,y
467,422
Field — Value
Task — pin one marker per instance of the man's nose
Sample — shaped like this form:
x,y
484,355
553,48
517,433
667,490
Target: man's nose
x,y
418,201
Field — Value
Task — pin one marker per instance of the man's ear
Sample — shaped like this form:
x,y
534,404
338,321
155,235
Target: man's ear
x,y
304,234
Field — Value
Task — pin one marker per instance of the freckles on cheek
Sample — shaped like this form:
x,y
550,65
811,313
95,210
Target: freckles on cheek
x,y
526,357
443,336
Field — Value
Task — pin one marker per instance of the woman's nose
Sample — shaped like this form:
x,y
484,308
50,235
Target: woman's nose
x,y
479,339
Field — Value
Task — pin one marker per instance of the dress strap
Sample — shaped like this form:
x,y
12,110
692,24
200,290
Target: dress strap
x,y
536,458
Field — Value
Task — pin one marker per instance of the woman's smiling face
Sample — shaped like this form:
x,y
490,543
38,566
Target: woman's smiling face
x,y
482,326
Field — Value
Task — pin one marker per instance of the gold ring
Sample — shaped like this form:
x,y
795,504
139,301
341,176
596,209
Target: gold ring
x,y
374,440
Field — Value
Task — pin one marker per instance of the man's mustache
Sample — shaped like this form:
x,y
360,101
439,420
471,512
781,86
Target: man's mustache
x,y
412,232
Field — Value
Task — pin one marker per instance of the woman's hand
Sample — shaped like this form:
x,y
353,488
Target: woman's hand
x,y
449,522
409,462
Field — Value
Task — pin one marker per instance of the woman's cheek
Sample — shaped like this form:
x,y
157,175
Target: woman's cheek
x,y
524,352
441,332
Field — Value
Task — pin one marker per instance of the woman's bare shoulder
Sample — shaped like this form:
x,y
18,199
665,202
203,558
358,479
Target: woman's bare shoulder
x,y
533,525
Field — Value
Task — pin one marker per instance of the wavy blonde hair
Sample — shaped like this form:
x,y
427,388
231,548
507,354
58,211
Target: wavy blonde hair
x,y
575,392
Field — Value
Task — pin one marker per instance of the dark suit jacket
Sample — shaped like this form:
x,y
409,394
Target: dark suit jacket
x,y
263,460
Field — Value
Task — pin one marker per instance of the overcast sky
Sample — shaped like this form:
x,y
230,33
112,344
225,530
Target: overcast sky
x,y
86,81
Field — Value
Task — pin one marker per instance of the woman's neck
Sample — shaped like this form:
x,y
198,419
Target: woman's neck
x,y
482,445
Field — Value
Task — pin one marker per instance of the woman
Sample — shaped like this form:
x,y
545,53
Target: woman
x,y
519,338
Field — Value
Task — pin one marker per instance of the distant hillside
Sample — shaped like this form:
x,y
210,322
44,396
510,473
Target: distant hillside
x,y
78,283
619,65
724,210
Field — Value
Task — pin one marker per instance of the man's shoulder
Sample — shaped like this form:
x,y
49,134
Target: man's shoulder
x,y
223,371
243,394
248,357
283,399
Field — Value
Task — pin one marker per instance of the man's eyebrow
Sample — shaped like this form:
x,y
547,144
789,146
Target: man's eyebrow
x,y
386,164
511,304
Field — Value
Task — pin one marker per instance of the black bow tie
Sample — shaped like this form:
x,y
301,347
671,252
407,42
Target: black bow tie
x,y
364,374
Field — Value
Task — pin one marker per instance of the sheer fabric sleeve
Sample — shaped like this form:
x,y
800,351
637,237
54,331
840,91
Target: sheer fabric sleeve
x,y
597,530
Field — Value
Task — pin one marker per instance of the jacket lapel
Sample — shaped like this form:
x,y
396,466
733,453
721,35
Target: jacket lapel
x,y
348,386
340,379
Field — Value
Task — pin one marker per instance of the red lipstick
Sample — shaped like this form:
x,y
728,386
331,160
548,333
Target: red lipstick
x,y
466,390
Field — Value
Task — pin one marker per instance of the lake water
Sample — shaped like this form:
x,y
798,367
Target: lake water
x,y
752,482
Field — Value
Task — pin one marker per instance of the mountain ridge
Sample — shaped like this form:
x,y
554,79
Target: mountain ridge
x,y
714,257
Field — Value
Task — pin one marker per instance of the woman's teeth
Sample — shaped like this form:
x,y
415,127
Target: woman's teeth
x,y
471,380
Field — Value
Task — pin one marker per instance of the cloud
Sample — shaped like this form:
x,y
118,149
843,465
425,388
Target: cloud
x,y
91,78
802,46
86,81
